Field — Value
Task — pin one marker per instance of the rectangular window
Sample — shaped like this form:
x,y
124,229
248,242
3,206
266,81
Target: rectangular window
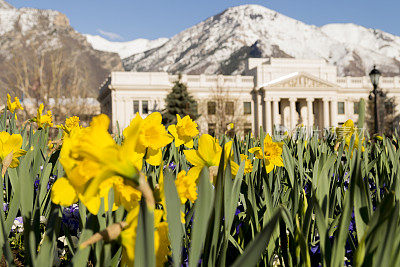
x,y
211,108
356,107
145,107
229,108
247,128
211,129
135,106
279,108
340,107
247,108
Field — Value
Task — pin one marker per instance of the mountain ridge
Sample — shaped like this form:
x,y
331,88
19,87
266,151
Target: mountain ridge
x,y
27,34
223,42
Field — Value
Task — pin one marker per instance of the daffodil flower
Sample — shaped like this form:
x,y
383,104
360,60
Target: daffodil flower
x,y
45,120
272,154
13,106
209,153
345,132
248,167
94,163
161,239
152,137
70,123
186,186
184,131
10,149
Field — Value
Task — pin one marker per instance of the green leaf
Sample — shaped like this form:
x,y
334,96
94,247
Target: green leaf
x,y
173,217
253,252
203,207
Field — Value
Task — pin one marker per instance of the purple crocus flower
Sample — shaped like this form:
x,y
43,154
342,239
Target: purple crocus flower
x,y
51,181
5,207
172,166
71,217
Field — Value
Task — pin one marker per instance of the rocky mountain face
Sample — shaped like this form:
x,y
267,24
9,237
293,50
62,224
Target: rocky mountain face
x,y
222,44
124,49
27,33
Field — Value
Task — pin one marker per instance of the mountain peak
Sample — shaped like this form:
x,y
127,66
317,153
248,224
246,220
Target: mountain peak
x,y
223,43
5,5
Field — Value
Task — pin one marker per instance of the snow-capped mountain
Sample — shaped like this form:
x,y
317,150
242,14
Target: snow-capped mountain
x,y
29,33
222,43
124,49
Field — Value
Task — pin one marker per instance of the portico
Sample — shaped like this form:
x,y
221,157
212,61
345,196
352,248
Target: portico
x,y
297,99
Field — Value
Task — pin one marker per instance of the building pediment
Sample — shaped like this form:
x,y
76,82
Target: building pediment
x,y
299,80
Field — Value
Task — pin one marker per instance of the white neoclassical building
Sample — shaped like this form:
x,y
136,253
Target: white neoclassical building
x,y
274,93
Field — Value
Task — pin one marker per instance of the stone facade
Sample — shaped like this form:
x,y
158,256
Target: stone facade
x,y
275,93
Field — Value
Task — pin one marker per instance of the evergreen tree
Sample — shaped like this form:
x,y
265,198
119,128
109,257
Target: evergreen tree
x,y
388,117
179,101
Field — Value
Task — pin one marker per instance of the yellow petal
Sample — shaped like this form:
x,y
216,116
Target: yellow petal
x,y
194,173
209,150
13,143
189,144
62,193
257,152
154,156
194,158
234,167
268,166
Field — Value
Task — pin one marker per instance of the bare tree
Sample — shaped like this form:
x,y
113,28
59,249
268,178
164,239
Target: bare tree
x,y
224,108
48,77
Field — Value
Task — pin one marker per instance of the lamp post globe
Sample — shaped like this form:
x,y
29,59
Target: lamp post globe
x,y
374,75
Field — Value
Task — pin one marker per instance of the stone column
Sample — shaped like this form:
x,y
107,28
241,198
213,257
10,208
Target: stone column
x,y
334,112
326,112
275,112
260,109
310,113
140,108
254,128
292,101
268,117
114,111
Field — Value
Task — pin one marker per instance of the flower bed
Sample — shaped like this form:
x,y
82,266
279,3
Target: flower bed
x,y
169,196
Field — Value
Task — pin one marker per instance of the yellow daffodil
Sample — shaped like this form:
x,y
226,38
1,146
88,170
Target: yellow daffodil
x,y
184,131
63,193
94,163
186,186
13,106
70,123
128,237
152,137
248,167
272,155
161,240
43,120
345,132
161,243
209,153
10,149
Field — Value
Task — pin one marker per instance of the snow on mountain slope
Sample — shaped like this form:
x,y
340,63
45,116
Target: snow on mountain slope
x,y
222,43
386,43
124,49
26,19
5,5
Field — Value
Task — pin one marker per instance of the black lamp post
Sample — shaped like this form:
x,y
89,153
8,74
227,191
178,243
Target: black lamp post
x,y
375,75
